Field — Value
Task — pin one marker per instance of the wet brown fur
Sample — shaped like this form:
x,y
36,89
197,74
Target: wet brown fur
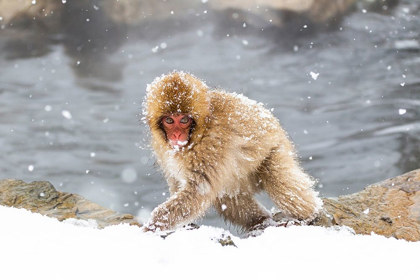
x,y
237,148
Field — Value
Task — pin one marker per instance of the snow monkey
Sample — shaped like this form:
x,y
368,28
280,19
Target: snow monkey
x,y
219,149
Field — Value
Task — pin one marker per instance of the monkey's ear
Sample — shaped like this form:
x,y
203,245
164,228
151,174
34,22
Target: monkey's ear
x,y
177,92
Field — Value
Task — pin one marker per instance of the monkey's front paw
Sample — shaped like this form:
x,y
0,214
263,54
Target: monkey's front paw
x,y
290,222
151,226
147,228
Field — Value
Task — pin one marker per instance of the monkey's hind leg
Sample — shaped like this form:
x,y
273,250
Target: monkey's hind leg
x,y
244,210
290,188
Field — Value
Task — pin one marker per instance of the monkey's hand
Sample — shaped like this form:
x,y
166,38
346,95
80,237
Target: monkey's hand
x,y
180,209
149,227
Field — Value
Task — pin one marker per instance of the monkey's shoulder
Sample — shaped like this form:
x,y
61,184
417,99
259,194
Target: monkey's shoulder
x,y
239,113
228,102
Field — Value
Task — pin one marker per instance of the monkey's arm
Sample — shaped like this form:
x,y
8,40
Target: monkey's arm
x,y
182,208
173,185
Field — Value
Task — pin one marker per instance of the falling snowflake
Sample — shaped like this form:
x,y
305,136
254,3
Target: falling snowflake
x,y
314,75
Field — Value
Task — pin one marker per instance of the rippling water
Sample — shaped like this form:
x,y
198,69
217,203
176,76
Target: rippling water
x,y
71,116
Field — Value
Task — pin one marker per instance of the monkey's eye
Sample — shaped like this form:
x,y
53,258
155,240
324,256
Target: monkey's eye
x,y
169,120
185,120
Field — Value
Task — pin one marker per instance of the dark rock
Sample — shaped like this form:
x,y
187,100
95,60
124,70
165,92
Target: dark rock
x,y
226,240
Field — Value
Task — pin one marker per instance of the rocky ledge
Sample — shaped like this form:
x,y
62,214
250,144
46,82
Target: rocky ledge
x,y
390,208
43,198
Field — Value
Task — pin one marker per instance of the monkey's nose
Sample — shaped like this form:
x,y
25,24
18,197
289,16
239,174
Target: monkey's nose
x,y
176,135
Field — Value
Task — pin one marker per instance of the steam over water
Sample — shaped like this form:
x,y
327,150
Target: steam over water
x,y
70,100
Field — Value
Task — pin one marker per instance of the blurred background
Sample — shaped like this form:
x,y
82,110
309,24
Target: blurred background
x,y
342,76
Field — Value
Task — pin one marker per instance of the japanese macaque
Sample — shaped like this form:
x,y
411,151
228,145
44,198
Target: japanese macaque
x,y
219,149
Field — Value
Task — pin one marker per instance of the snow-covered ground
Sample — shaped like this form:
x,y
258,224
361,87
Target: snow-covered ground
x,y
37,247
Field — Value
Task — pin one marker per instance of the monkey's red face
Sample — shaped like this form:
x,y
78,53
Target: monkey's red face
x,y
177,128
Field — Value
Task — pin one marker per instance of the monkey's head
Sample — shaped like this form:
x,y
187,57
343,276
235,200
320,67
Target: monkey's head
x,y
177,108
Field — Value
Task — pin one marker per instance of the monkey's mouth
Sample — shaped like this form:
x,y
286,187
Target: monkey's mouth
x,y
178,144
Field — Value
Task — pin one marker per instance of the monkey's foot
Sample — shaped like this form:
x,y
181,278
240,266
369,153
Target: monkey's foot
x,y
291,222
285,220
259,228
191,226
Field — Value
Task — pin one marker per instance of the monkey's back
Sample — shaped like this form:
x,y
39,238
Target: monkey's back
x,y
242,117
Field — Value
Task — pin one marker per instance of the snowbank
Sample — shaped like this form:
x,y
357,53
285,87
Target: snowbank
x,y
38,247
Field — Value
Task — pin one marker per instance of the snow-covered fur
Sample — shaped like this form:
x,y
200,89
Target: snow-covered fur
x,y
237,148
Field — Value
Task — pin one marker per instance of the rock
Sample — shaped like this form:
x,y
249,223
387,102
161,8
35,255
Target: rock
x,y
278,12
377,5
136,12
296,15
390,208
293,16
43,198
48,13
22,13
